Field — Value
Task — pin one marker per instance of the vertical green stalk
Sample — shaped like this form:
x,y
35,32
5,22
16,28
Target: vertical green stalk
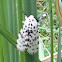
x,y
4,22
14,56
1,48
59,46
20,14
33,8
1,51
10,14
51,23
15,28
20,19
27,7
30,9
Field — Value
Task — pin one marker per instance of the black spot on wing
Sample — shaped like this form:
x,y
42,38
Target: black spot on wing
x,y
36,48
37,31
24,41
31,31
34,39
32,49
31,43
38,37
25,26
27,45
32,20
38,42
34,27
31,24
22,36
28,33
29,19
20,46
28,40
23,31
30,36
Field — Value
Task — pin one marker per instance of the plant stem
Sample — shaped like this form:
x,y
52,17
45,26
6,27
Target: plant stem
x,y
20,19
51,23
1,51
4,22
20,14
30,9
59,46
12,14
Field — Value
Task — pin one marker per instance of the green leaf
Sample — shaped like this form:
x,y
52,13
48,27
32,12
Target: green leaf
x,y
1,51
41,49
20,19
10,37
59,46
4,22
12,14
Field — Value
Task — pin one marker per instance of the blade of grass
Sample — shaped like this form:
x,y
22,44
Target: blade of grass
x,y
27,7
1,51
4,21
51,23
5,46
59,46
14,56
10,37
20,19
10,14
30,9
33,8
1,48
15,29
20,14
41,49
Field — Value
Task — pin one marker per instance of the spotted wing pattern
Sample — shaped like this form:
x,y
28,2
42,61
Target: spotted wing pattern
x,y
28,38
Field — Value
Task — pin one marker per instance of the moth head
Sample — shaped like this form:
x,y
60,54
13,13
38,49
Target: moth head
x,y
32,17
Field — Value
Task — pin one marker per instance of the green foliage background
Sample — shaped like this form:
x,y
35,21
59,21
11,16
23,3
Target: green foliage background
x,y
11,18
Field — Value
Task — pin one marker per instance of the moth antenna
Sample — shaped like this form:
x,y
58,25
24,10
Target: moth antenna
x,y
24,13
37,19
43,16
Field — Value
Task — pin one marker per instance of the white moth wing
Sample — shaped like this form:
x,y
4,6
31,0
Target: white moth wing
x,y
20,43
28,37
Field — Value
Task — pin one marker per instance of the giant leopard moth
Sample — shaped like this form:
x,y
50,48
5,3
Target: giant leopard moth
x,y
28,38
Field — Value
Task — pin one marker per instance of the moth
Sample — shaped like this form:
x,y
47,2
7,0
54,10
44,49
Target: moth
x,y
28,37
